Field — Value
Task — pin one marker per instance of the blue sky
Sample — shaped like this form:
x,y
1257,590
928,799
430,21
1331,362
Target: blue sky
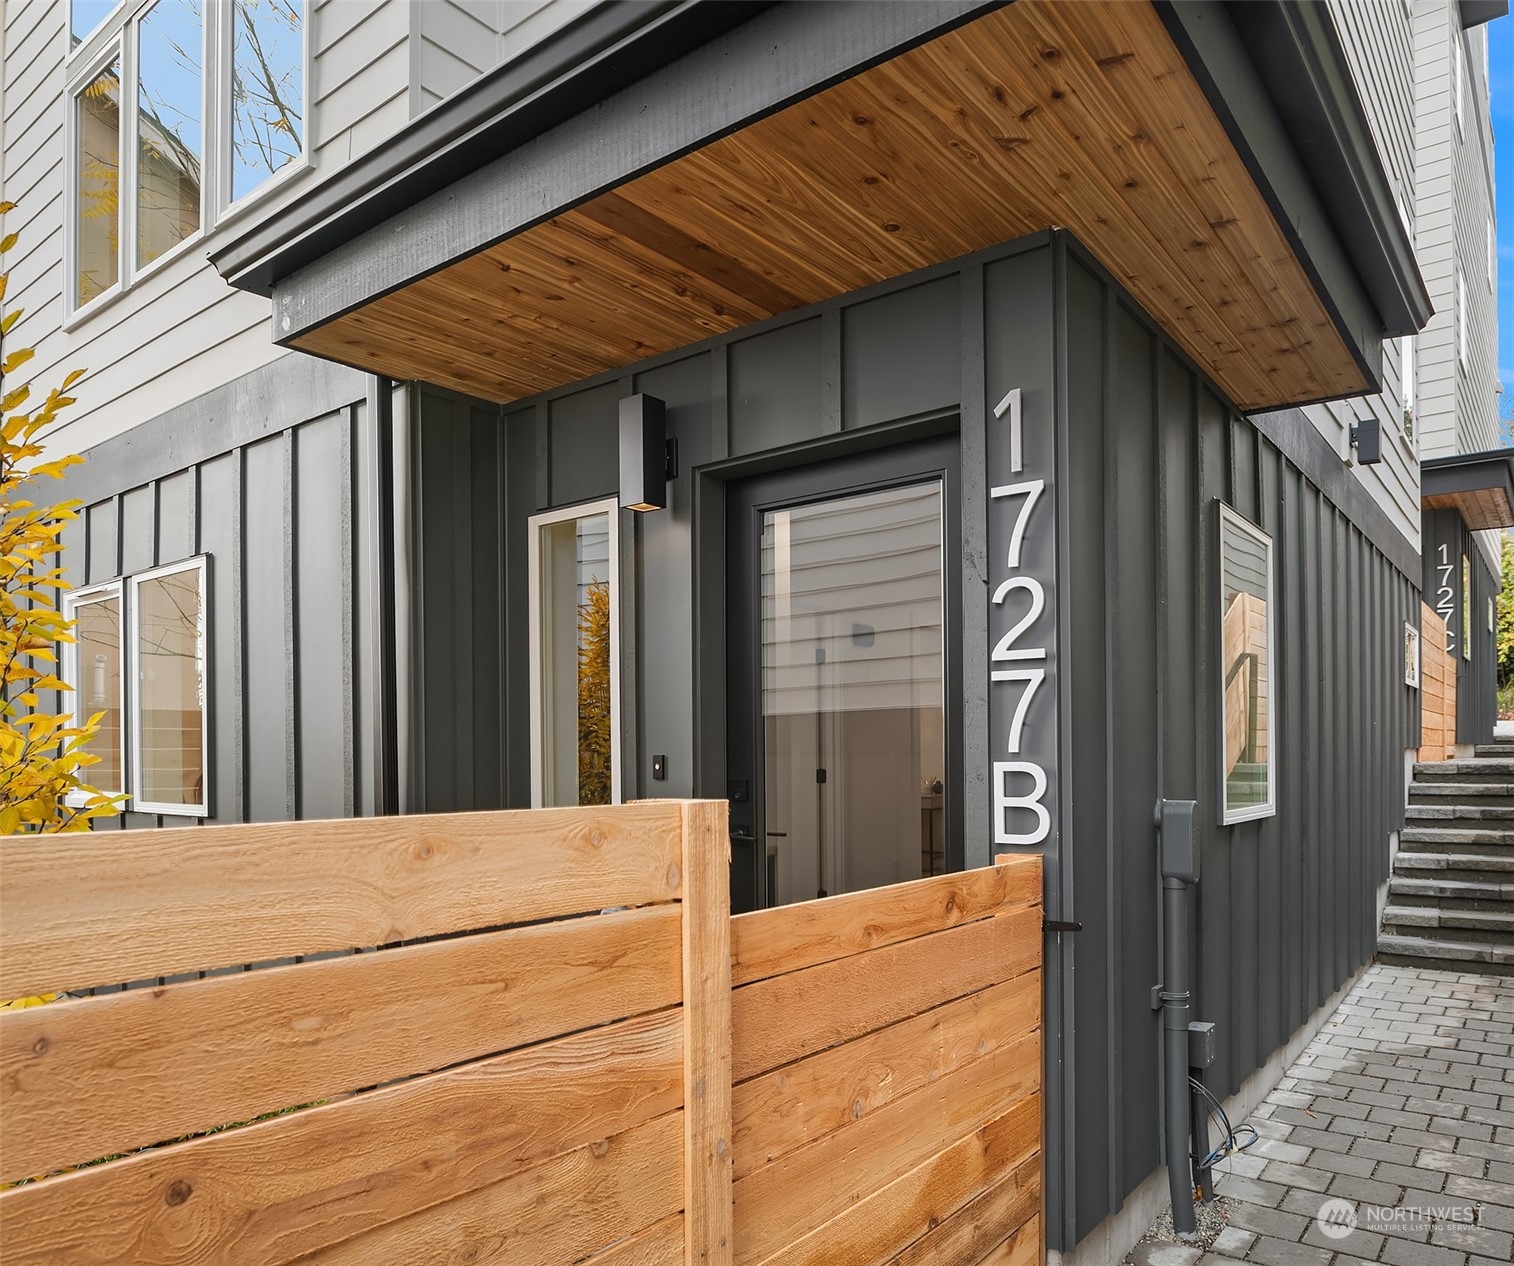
x,y
1501,84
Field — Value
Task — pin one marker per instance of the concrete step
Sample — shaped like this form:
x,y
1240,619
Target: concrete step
x,y
1495,750
1470,925
1418,951
1484,793
1462,867
1487,769
1500,837
1457,889
1460,812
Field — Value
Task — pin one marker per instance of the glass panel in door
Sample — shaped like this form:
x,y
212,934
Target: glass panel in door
x,y
852,692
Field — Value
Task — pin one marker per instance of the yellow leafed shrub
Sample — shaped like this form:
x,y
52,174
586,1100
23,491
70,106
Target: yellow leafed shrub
x,y
42,753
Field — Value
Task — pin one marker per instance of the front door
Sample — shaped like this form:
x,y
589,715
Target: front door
x,y
842,709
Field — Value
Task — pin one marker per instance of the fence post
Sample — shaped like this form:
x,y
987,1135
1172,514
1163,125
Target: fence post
x,y
707,1034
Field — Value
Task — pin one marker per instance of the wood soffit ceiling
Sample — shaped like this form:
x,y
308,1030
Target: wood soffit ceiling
x,y
1481,508
1038,114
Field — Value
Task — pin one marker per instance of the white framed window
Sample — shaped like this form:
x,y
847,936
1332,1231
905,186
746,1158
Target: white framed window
x,y
573,579
1248,768
1461,318
93,665
1459,78
1411,655
168,702
1408,372
180,111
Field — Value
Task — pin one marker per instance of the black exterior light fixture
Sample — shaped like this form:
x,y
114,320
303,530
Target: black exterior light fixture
x,y
648,459
1367,440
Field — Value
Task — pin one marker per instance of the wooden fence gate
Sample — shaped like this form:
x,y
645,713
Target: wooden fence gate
x,y
564,1051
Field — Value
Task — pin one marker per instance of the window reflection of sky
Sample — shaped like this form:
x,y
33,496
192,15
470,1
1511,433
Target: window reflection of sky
x,y
169,98
267,89
86,15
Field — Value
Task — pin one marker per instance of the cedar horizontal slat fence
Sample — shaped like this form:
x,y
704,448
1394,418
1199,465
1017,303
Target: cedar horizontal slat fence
x,y
886,1050
544,1062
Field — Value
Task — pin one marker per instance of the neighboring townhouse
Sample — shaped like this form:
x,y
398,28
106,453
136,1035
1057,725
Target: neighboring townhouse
x,y
1467,491
938,429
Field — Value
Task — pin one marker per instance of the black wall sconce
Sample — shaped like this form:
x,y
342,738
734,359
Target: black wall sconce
x,y
1367,440
648,459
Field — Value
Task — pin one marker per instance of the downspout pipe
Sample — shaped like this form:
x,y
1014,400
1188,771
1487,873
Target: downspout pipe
x,y
1180,868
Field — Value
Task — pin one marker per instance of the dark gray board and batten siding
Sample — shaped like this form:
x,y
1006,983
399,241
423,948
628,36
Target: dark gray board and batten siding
x,y
1145,447
282,503
1286,904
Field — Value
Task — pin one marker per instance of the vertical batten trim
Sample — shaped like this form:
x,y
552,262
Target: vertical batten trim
x,y
973,519
543,454
349,649
720,402
1063,894
1107,551
238,673
830,371
292,745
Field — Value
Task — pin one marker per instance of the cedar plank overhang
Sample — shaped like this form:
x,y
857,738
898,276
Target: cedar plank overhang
x,y
1000,122
1480,486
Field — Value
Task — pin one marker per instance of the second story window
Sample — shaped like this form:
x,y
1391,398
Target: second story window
x,y
180,110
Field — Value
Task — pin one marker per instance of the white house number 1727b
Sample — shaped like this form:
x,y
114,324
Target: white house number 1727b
x,y
1013,663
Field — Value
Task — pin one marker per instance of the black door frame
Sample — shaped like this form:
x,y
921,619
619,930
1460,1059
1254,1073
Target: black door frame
x,y
827,478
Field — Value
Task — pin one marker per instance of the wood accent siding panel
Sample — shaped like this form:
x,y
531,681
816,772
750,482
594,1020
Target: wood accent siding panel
x,y
1437,690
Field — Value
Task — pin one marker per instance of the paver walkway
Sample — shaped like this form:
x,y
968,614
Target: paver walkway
x,y
1405,1101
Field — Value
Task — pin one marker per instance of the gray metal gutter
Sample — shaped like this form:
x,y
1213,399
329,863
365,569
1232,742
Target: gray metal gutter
x,y
1476,12
1291,52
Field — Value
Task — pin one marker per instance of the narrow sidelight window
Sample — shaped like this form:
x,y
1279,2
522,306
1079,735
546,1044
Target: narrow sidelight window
x,y
575,655
97,206
170,136
1246,713
169,676
92,664
267,90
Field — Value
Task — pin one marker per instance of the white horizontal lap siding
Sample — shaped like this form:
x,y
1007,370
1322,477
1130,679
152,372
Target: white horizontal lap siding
x,y
180,330
455,41
361,76
1437,140
1379,46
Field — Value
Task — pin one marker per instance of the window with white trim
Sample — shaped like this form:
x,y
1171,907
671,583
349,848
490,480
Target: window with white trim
x,y
179,109
93,665
1461,318
573,577
139,662
1248,771
1459,76
1408,370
